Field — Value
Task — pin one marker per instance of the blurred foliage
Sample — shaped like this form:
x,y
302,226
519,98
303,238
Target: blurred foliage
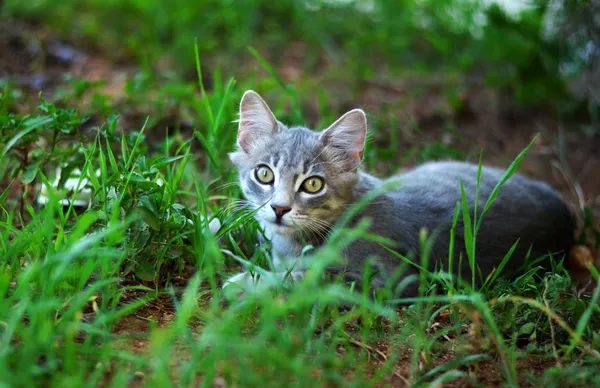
x,y
32,141
510,52
67,279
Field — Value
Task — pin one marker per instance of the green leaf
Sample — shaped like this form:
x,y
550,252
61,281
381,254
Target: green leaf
x,y
224,101
469,242
205,99
527,328
209,150
589,218
145,271
111,158
142,182
5,192
514,166
452,238
30,125
136,178
149,213
112,124
490,280
161,162
30,173
65,173
570,304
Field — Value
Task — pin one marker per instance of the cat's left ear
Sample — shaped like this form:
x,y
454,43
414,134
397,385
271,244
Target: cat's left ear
x,y
256,120
344,140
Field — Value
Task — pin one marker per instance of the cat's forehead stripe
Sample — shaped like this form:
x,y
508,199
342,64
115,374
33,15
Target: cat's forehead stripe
x,y
305,166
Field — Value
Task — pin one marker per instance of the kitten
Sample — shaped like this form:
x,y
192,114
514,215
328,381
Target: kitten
x,y
301,181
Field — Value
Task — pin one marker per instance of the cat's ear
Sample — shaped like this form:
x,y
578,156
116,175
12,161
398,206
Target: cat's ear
x,y
344,140
256,120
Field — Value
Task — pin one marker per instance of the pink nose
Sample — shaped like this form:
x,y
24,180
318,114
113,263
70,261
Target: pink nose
x,y
280,210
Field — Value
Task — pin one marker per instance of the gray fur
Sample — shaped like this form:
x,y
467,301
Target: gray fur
x,y
525,209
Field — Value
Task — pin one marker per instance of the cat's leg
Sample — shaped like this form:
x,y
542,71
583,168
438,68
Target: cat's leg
x,y
285,271
248,281
243,279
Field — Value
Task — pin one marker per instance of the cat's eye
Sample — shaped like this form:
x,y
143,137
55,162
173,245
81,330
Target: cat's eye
x,y
312,185
264,175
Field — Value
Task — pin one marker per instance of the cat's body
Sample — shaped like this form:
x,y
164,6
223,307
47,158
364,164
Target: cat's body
x,y
281,167
525,210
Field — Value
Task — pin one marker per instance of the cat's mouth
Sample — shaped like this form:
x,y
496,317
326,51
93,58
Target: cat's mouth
x,y
280,227
279,222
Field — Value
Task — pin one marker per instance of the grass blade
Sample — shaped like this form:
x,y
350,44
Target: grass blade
x,y
493,276
469,238
205,99
512,169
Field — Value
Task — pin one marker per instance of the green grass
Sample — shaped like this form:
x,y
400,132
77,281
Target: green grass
x,y
68,278
128,291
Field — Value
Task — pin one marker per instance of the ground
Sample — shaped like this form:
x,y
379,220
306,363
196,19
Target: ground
x,y
563,155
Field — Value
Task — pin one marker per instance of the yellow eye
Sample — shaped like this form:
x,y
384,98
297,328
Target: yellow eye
x,y
264,175
313,185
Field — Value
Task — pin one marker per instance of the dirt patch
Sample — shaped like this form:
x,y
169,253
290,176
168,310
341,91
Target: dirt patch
x,y
34,58
486,120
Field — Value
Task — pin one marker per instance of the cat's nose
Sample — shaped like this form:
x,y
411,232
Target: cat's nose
x,y
280,210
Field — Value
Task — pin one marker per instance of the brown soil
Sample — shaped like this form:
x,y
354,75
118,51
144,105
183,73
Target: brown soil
x,y
563,155
487,373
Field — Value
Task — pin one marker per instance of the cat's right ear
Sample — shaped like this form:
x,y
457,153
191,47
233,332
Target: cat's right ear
x,y
345,139
256,121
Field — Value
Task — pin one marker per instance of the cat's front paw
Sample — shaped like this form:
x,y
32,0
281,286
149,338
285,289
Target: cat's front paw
x,y
240,284
243,280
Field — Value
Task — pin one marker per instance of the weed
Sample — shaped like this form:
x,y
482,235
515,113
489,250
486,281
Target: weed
x,y
127,288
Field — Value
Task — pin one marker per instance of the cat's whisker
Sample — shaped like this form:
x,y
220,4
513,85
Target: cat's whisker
x,y
223,187
238,205
316,226
316,157
238,201
312,229
321,223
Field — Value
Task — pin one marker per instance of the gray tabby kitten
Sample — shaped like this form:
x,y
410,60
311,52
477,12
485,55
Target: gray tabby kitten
x,y
303,180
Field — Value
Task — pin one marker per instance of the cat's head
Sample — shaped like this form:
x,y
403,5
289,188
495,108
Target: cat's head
x,y
302,179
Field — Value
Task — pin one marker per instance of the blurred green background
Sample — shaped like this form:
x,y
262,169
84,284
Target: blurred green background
x,y
142,97
530,49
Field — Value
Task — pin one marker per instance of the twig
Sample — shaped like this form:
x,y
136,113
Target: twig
x,y
367,347
554,350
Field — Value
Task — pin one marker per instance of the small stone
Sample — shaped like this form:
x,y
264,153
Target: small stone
x,y
581,257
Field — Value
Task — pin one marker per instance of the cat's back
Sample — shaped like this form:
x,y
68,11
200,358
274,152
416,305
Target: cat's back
x,y
445,174
440,181
427,197
525,209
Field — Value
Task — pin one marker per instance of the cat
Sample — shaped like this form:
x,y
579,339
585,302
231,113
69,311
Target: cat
x,y
301,181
